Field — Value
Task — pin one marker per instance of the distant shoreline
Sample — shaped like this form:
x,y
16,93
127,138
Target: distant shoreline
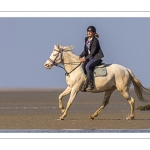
x,y
30,89
41,89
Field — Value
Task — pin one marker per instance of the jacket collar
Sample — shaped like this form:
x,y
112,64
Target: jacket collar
x,y
88,37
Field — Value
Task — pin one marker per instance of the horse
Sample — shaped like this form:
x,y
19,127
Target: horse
x,y
118,77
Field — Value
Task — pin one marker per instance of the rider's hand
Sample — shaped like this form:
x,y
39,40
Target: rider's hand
x,y
82,59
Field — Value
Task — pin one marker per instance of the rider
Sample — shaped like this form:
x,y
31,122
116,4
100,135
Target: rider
x,y
91,55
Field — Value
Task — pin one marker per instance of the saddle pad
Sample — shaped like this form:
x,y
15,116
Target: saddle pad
x,y
98,71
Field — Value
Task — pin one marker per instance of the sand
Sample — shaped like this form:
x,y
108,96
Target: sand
x,y
38,109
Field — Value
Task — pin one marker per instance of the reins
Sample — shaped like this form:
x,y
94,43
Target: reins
x,y
67,73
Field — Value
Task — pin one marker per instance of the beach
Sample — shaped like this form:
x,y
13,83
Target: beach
x,y
38,109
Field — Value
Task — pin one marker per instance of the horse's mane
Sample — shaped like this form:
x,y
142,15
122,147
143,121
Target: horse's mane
x,y
69,50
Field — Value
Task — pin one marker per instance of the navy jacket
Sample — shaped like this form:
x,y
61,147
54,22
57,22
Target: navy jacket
x,y
95,50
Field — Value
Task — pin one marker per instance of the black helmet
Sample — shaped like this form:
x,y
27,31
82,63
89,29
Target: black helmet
x,y
91,28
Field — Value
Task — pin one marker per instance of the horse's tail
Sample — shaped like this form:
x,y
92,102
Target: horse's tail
x,y
139,89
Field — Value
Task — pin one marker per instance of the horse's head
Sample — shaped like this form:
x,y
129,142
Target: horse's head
x,y
55,57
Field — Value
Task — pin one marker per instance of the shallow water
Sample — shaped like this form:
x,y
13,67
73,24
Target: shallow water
x,y
76,131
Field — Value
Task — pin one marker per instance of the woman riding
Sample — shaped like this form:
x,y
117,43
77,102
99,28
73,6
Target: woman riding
x,y
91,55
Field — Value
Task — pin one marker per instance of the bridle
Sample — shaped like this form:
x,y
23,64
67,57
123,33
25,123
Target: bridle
x,y
54,62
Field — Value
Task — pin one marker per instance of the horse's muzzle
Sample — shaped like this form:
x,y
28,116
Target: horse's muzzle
x,y
47,66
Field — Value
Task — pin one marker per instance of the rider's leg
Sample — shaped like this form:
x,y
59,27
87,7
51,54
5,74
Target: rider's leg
x,y
89,75
90,80
89,69
83,66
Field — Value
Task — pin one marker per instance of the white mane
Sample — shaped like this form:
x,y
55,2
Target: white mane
x,y
68,49
64,47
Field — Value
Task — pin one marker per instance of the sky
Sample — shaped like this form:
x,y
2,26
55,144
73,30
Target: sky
x,y
26,43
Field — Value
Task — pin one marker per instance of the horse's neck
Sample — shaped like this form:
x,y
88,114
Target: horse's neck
x,y
70,61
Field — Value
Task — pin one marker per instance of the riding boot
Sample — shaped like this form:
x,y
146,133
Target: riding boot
x,y
90,80
86,84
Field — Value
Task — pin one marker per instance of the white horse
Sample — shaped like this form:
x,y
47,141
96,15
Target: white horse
x,y
118,77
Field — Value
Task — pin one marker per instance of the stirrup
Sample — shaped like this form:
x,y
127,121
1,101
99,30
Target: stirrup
x,y
90,87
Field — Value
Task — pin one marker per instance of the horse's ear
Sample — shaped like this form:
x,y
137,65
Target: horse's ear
x,y
58,46
55,46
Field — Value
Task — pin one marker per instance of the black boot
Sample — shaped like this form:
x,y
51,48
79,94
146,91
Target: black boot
x,y
90,80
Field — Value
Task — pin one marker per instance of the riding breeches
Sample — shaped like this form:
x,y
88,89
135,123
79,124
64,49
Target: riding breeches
x,y
91,64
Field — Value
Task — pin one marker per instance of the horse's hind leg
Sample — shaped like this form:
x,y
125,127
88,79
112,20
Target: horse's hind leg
x,y
66,92
130,100
104,103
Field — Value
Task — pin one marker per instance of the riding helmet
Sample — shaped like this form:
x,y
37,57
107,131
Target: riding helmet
x,y
91,28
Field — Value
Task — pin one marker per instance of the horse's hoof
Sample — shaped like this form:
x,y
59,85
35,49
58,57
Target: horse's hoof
x,y
91,117
60,119
129,118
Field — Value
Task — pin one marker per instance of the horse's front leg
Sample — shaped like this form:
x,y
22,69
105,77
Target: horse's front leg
x,y
66,92
72,97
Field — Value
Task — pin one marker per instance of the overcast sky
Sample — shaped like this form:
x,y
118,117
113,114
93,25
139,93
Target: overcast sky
x,y
26,43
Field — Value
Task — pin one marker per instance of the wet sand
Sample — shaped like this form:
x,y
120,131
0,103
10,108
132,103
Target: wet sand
x,y
38,109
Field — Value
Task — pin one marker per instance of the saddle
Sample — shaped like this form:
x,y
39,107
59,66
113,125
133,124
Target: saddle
x,y
99,70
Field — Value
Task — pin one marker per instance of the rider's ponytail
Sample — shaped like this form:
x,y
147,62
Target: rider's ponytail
x,y
96,35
